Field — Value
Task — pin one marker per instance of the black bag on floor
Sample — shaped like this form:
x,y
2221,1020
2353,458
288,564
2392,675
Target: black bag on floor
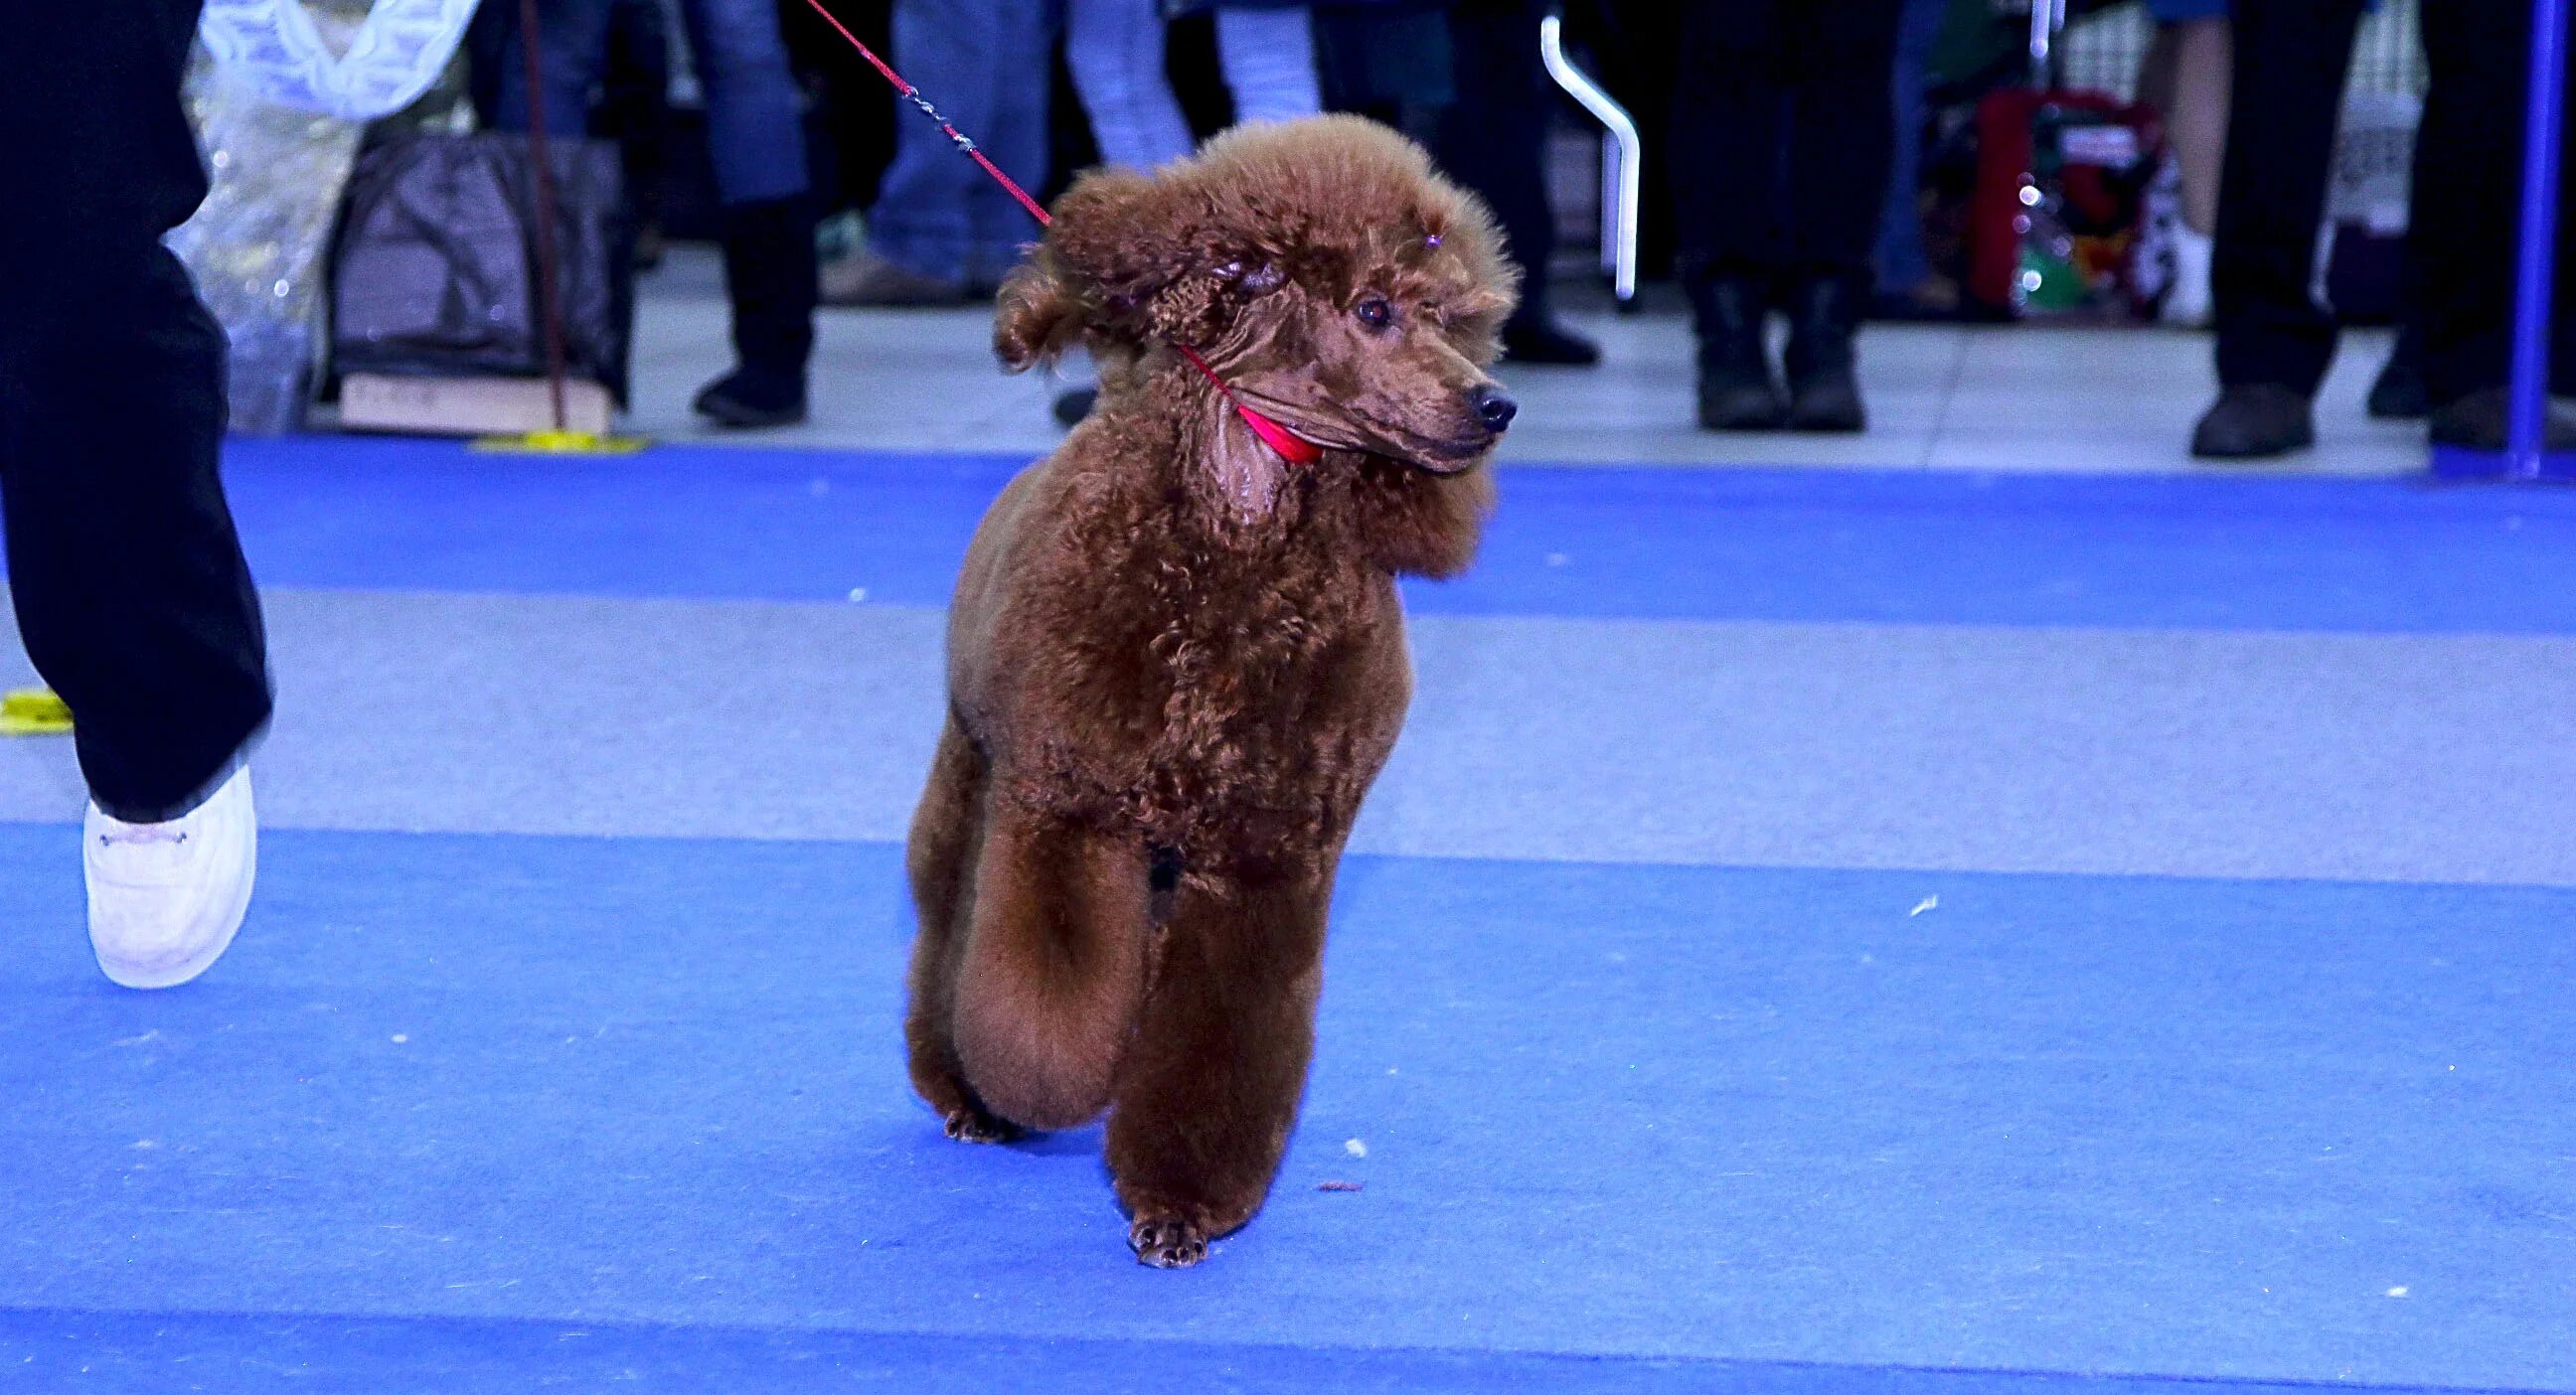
x,y
435,272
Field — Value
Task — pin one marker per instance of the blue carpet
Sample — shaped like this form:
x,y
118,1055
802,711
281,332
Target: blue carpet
x,y
1930,547
425,1356
453,1097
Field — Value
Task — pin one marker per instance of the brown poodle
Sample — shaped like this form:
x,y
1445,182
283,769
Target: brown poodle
x,y
1176,659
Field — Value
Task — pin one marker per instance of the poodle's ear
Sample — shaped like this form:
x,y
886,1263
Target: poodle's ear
x,y
1038,315
1112,246
1123,259
1121,236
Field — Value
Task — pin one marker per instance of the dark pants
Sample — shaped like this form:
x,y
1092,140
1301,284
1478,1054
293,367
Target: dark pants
x,y
1493,138
2290,61
129,584
1783,128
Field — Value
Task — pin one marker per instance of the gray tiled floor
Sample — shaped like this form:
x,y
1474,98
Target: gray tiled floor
x,y
1946,397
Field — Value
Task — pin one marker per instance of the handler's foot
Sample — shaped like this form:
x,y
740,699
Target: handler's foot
x,y
166,898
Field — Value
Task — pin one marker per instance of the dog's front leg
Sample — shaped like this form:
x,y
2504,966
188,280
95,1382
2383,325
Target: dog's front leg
x,y
1052,966
1210,1089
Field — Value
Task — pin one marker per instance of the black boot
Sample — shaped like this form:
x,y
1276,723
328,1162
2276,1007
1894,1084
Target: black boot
x,y
1824,389
2254,421
1736,389
769,277
2478,421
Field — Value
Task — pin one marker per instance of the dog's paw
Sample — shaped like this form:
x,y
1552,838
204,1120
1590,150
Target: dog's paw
x,y
1166,1243
969,1125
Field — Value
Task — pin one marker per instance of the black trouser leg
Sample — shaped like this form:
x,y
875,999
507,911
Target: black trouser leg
x,y
1783,129
637,102
129,583
1842,135
1730,118
2291,56
770,280
2465,221
1493,138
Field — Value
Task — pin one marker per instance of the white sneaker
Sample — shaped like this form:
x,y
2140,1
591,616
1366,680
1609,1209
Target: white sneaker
x,y
165,898
2187,302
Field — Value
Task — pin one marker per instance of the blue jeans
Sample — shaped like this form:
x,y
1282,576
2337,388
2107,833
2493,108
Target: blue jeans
x,y
984,62
1115,48
1902,265
755,133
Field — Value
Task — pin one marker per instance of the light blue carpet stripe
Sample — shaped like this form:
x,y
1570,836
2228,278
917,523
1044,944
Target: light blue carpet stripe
x,y
2386,757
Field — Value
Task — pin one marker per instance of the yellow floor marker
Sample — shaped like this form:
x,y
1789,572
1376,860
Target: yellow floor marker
x,y
33,712
560,443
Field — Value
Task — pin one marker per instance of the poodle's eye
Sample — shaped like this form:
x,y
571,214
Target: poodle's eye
x,y
1375,312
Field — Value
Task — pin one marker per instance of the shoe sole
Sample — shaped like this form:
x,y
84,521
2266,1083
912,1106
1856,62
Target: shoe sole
x,y
1827,423
749,421
2199,452
172,975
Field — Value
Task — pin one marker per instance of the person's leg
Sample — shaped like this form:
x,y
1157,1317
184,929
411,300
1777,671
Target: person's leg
x,y
2186,80
127,577
2465,219
1729,122
1016,94
1115,51
2204,50
756,135
1493,140
755,130
1902,266
572,51
636,106
1269,61
1841,139
2274,340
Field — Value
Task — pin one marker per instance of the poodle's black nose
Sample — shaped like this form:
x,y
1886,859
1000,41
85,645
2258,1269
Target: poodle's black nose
x,y
1494,407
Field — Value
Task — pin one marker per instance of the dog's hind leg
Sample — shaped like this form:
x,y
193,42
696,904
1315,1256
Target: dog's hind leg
x,y
1052,965
940,858
1210,1090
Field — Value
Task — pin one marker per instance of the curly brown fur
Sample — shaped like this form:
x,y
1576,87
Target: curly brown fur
x,y
1177,661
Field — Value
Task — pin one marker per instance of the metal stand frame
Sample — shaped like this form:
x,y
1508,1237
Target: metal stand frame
x,y
1623,157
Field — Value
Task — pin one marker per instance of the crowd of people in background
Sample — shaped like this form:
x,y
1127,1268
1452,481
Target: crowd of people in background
x,y
1787,140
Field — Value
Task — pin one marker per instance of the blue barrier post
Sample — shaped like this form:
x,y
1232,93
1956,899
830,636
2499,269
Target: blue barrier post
x,y
2526,454
2524,431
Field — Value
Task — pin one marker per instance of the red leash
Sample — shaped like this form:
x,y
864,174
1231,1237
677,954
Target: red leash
x,y
913,94
1294,448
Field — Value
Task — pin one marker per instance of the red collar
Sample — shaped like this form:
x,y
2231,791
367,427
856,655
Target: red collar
x,y
1293,448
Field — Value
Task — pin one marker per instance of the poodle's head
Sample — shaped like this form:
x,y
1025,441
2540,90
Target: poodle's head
x,y
1334,282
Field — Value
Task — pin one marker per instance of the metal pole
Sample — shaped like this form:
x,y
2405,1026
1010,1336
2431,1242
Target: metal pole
x,y
2046,18
542,176
1619,222
2526,424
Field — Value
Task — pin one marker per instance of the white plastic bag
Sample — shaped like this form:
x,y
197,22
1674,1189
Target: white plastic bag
x,y
272,48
